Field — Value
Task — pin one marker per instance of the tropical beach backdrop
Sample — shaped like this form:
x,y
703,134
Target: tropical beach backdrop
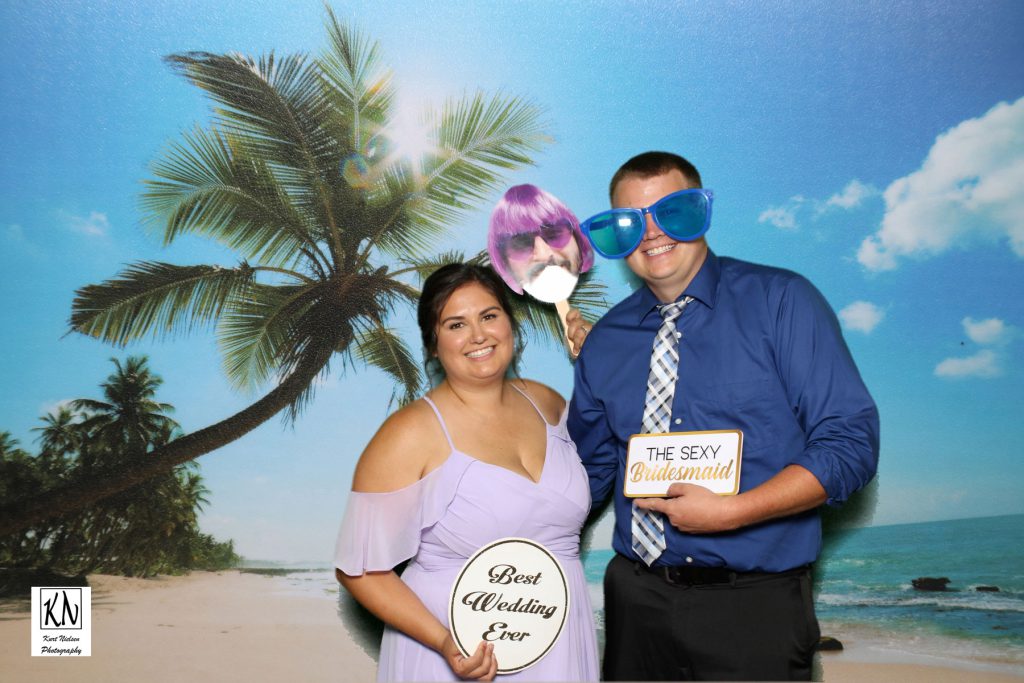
x,y
216,216
864,593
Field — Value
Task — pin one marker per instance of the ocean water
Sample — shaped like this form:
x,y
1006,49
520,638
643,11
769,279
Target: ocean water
x,y
863,587
863,592
865,583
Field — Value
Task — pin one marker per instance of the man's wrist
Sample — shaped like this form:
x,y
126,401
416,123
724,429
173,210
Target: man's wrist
x,y
736,512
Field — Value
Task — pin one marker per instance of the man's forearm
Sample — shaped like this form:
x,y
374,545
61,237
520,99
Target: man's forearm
x,y
791,491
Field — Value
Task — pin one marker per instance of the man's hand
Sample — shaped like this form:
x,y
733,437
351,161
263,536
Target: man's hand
x,y
576,331
694,509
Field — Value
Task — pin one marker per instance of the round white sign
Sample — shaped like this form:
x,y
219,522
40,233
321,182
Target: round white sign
x,y
512,593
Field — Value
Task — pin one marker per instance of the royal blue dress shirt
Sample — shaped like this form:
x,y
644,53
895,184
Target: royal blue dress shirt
x,y
760,351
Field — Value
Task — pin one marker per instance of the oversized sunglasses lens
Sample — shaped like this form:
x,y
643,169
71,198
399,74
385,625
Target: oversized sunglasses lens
x,y
520,245
615,233
556,235
683,216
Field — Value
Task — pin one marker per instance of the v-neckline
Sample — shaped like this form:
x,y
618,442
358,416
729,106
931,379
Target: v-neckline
x,y
525,477
547,439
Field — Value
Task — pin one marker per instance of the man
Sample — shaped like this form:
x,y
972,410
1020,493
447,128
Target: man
x,y
704,586
535,244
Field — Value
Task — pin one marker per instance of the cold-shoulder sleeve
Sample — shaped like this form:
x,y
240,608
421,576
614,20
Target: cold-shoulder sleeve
x,y
381,530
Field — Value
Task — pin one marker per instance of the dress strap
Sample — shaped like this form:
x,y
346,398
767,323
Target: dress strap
x,y
532,403
444,427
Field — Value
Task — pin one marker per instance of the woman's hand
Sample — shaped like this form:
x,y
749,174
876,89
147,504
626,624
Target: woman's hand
x,y
482,666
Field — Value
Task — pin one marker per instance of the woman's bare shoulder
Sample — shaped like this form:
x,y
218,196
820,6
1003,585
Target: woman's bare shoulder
x,y
399,453
548,400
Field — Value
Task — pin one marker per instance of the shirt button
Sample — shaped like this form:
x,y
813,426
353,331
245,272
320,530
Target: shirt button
x,y
679,420
679,335
689,560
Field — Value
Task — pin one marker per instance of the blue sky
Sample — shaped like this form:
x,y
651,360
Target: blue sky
x,y
876,147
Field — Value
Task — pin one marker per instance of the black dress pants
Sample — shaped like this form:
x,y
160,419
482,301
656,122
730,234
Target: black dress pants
x,y
758,627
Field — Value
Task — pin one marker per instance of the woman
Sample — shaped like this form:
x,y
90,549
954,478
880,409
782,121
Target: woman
x,y
481,457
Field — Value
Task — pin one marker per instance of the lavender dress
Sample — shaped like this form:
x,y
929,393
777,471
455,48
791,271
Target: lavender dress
x,y
442,519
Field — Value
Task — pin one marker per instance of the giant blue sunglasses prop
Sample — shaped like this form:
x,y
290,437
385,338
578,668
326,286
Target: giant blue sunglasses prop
x,y
683,216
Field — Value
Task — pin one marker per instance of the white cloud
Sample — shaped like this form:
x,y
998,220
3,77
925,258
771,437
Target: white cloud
x,y
785,217
781,217
982,364
861,316
966,191
95,225
988,331
852,195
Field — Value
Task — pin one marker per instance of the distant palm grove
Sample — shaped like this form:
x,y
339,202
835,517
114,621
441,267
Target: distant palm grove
x,y
147,529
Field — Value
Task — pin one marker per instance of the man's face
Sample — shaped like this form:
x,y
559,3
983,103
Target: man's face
x,y
525,267
664,264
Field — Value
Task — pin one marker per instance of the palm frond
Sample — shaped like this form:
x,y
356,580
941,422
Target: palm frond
x,y
423,267
358,88
273,104
156,298
589,295
359,95
205,186
319,333
281,112
90,406
391,290
383,349
255,331
477,138
393,215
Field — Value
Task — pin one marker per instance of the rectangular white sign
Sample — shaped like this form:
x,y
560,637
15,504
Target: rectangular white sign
x,y
61,621
710,459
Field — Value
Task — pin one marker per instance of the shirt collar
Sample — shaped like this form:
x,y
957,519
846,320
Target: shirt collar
x,y
703,288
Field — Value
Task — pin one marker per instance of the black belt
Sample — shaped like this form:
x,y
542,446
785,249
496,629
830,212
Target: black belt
x,y
689,575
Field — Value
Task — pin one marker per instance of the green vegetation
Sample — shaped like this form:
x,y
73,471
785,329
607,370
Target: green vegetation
x,y
147,529
299,172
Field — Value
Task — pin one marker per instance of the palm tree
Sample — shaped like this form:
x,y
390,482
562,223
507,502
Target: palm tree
x,y
60,432
117,533
16,466
294,173
20,472
129,420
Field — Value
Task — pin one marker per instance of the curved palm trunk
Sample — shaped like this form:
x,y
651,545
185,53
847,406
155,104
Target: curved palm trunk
x,y
101,484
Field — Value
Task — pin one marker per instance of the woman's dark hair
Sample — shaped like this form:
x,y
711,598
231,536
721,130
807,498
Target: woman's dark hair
x,y
438,288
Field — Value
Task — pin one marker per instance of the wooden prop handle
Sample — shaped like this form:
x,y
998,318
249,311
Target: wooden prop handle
x,y
563,310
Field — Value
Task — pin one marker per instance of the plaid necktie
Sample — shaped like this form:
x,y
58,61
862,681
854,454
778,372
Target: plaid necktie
x,y
648,527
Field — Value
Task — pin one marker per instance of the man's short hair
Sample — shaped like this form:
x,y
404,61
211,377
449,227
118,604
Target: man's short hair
x,y
650,164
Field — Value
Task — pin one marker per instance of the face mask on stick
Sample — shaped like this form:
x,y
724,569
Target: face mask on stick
x,y
536,246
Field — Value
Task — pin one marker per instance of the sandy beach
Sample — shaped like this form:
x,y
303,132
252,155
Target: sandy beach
x,y
232,626
222,626
868,662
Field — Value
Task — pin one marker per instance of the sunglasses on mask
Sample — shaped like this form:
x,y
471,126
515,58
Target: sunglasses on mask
x,y
683,216
519,246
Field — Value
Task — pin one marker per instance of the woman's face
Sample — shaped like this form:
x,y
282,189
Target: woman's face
x,y
475,341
